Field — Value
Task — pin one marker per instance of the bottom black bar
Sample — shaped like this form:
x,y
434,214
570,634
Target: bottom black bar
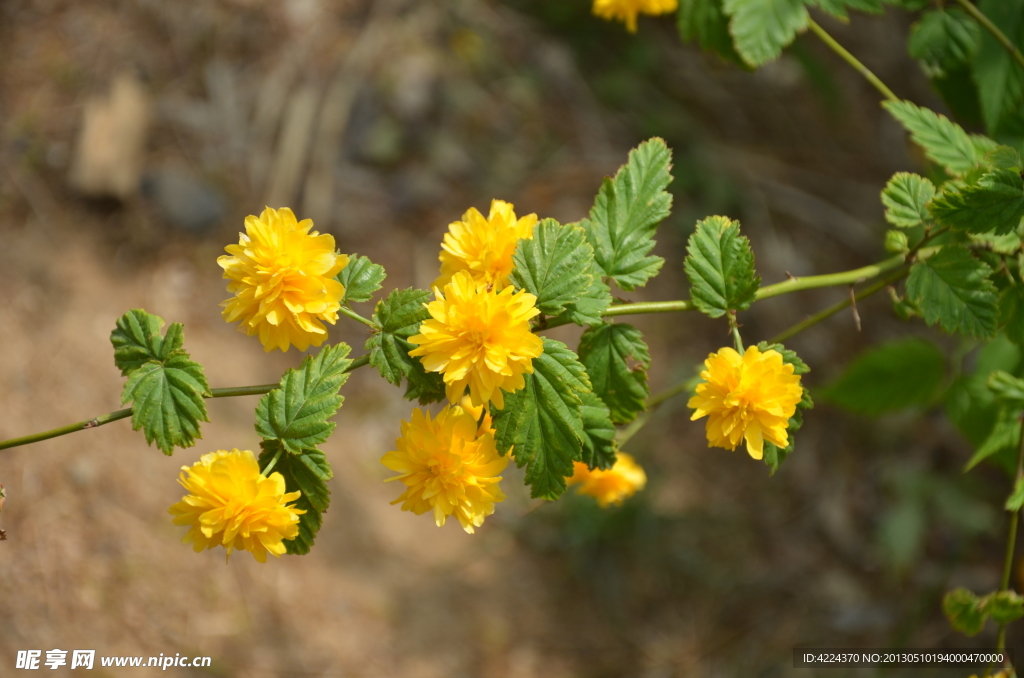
x,y
873,657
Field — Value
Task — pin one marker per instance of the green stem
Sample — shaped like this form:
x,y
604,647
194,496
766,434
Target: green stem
x,y
1011,541
836,308
994,30
273,462
122,414
852,60
345,310
736,336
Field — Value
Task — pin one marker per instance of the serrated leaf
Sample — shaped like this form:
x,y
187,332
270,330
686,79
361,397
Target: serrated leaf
x,y
705,22
720,267
952,288
1007,388
599,441
554,265
906,198
399,316
361,278
297,412
995,202
889,378
617,361
999,77
626,213
587,309
544,420
1004,606
1004,157
1005,434
943,141
762,28
944,38
307,473
136,339
167,400
838,8
965,611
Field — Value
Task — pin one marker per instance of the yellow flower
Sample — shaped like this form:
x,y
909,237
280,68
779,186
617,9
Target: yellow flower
x,y
613,486
484,247
231,505
747,397
282,276
448,466
626,11
479,338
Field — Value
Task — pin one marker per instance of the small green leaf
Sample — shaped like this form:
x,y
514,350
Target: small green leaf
x,y
943,141
720,267
399,316
996,202
1007,388
297,412
361,278
838,8
1005,434
627,211
762,28
599,442
999,77
1004,157
906,198
167,400
953,289
705,22
554,265
617,361
1011,313
965,611
896,242
891,377
137,340
1016,499
944,38
1004,606
308,473
544,420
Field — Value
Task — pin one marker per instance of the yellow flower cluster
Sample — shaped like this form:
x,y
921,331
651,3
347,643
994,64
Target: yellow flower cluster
x,y
449,465
231,504
749,397
282,276
627,11
611,487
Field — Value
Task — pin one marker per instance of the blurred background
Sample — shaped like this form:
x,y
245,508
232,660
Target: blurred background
x,y
136,135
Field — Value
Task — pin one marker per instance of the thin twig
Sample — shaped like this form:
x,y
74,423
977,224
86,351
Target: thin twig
x,y
994,30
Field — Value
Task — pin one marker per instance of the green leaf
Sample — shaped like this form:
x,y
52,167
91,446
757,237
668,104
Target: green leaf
x,y
167,400
965,611
720,267
705,22
897,242
599,442
627,211
943,141
399,316
1004,157
554,265
1011,313
297,412
1000,79
837,8
1005,435
906,198
953,289
1007,388
1016,499
891,377
944,39
137,340
762,28
426,387
544,420
996,201
617,361
587,309
1005,606
307,473
361,278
